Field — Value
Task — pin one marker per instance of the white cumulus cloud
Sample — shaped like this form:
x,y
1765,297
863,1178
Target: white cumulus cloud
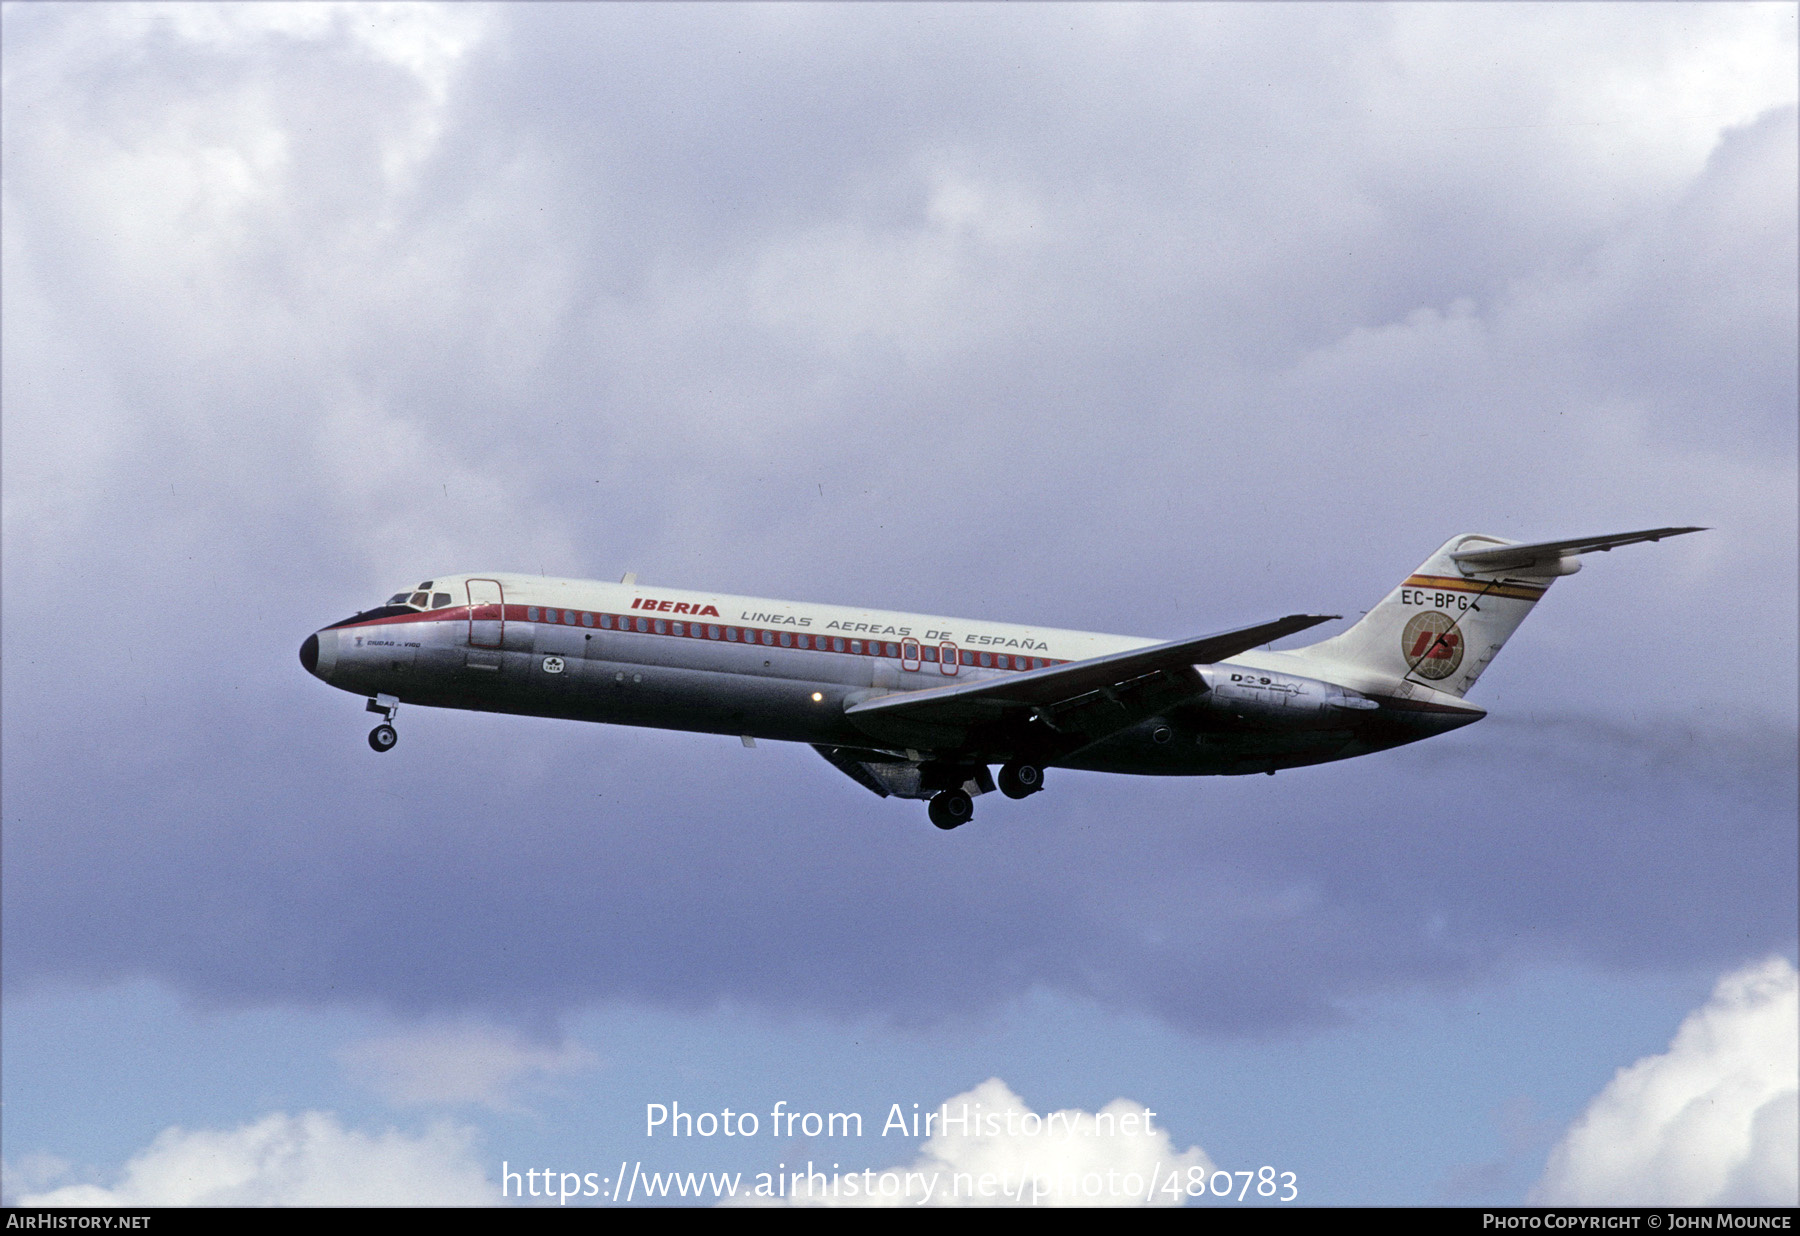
x,y
293,1160
995,1151
1712,1121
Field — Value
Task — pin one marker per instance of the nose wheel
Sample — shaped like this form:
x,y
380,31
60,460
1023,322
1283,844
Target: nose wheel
x,y
383,737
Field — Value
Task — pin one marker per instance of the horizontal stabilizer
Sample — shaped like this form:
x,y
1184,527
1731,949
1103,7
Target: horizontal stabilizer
x,y
975,703
1546,557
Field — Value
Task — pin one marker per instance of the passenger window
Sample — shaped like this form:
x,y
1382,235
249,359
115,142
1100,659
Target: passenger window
x,y
531,613
768,637
856,647
787,639
587,620
606,622
837,645
712,632
662,628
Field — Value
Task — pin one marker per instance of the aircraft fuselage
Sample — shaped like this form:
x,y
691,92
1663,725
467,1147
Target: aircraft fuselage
x,y
784,671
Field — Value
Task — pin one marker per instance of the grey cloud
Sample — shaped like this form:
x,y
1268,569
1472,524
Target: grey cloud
x,y
544,866
1697,310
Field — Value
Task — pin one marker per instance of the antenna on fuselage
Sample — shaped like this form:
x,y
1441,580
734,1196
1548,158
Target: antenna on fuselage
x,y
629,578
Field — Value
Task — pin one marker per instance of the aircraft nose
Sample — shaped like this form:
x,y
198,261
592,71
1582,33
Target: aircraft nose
x,y
309,654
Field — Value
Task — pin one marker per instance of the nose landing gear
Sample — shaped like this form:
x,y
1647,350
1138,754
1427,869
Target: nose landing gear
x,y
383,737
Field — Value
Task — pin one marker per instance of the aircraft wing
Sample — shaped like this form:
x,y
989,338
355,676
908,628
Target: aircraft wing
x,y
1095,697
1548,554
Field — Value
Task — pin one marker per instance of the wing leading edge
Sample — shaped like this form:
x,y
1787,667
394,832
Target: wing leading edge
x,y
1090,698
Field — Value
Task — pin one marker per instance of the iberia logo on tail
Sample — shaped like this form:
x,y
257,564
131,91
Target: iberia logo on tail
x,y
1431,645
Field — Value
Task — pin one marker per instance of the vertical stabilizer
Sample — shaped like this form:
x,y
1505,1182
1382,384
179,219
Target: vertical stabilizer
x,y
1447,620
1440,628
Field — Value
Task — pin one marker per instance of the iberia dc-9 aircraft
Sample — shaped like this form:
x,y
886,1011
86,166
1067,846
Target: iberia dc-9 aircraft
x,y
920,706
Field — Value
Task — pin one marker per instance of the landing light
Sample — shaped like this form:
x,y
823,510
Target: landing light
x,y
817,697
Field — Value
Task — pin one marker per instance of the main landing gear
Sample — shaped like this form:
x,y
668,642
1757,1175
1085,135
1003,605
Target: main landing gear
x,y
951,809
383,737
955,807
1021,780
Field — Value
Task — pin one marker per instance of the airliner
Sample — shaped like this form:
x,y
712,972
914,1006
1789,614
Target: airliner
x,y
922,706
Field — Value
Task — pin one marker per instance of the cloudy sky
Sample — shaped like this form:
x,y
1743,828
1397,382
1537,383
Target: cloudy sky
x,y
1155,320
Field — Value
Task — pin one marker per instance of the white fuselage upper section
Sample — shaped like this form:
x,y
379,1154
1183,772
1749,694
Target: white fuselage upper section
x,y
672,604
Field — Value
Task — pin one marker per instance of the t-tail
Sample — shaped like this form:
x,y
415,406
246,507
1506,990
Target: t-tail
x,y
1447,621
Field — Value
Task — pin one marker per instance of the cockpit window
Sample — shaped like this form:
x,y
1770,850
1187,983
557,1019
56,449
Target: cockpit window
x,y
399,598
439,600
420,598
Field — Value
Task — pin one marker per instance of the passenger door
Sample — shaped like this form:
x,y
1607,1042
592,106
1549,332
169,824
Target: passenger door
x,y
487,613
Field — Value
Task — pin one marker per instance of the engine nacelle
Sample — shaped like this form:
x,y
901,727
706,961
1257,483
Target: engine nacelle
x,y
1257,695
